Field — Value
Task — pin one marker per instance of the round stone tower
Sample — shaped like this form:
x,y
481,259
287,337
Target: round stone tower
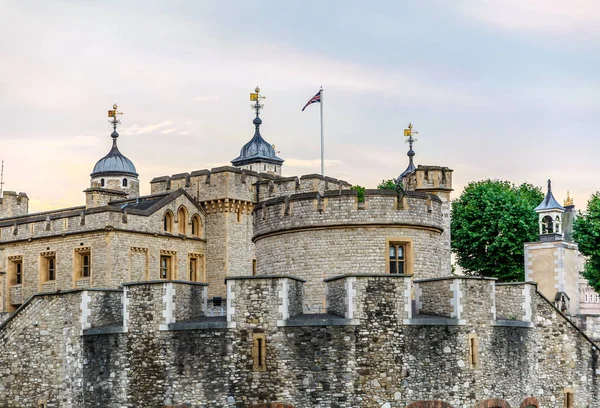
x,y
115,171
314,237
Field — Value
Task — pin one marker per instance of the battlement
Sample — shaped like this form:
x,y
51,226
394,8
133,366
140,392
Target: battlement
x,y
13,204
341,207
241,184
278,187
429,178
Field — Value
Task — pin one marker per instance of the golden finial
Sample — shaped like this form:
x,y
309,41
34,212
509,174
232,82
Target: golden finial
x,y
568,201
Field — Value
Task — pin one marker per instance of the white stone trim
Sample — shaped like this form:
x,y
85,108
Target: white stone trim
x,y
85,310
350,296
205,300
284,307
493,285
408,299
230,307
125,301
559,261
168,305
527,302
457,294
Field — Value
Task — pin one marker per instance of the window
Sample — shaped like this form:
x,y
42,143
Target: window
x,y
587,298
254,267
265,167
473,350
597,298
48,264
239,214
168,222
196,226
568,398
182,216
193,269
259,352
83,263
397,258
101,182
165,267
124,182
18,272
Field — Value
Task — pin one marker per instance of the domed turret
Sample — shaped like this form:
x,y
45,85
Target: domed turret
x,y
115,171
258,155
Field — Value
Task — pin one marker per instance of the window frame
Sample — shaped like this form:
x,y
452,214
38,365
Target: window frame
x,y
407,243
168,219
196,227
81,270
48,259
168,268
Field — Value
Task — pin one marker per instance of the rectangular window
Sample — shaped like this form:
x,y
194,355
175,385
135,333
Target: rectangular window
x,y
193,269
18,275
165,267
473,350
568,398
397,258
259,352
254,267
82,263
48,266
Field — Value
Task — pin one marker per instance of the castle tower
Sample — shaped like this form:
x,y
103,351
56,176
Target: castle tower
x,y
553,262
258,155
115,171
550,214
436,180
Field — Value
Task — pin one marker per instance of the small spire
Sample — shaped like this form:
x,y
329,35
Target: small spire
x,y
568,201
257,106
549,185
411,153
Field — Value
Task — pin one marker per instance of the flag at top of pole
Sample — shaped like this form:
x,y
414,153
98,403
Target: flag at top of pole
x,y
314,99
319,98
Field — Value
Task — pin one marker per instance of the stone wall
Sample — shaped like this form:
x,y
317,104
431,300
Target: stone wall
x,y
291,237
378,360
513,301
13,204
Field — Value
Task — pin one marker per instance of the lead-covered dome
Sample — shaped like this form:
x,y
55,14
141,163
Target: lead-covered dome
x,y
257,149
114,163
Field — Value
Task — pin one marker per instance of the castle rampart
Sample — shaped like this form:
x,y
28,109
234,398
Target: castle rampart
x,y
153,345
316,236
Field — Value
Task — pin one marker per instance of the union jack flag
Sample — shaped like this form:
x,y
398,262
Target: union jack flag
x,y
314,99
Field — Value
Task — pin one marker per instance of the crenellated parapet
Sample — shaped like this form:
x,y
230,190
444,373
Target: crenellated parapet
x,y
13,204
339,208
286,186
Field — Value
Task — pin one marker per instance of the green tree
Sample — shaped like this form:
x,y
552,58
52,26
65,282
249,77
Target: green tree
x,y
389,184
586,232
361,192
491,220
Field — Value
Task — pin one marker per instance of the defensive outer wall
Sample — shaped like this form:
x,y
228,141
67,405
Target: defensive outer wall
x,y
468,342
318,236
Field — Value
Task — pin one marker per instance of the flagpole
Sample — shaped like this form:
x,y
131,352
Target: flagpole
x,y
322,138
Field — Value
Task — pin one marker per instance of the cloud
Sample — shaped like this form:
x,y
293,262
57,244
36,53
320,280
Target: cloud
x,y
579,18
138,130
306,163
184,133
167,131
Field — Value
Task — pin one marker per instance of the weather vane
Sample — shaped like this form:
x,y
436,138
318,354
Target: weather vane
x,y
409,133
114,113
256,97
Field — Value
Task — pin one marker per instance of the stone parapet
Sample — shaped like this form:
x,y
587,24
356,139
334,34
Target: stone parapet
x,y
514,301
13,204
154,305
465,298
285,186
340,208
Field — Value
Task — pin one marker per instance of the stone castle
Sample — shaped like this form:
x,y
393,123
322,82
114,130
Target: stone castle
x,y
237,287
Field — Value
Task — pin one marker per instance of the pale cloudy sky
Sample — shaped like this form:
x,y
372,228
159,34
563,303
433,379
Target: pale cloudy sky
x,y
504,89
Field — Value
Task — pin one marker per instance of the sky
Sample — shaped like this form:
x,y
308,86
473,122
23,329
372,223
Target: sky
x,y
500,89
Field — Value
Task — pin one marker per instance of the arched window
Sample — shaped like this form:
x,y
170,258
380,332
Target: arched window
x,y
196,225
124,182
168,222
547,225
182,216
101,182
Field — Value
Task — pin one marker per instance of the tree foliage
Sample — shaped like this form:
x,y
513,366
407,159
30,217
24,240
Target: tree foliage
x,y
361,192
491,221
389,184
586,233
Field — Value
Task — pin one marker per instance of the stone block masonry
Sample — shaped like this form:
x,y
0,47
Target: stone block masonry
x,y
381,359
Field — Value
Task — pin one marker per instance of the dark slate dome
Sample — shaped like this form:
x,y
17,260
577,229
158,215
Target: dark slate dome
x,y
257,149
114,163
